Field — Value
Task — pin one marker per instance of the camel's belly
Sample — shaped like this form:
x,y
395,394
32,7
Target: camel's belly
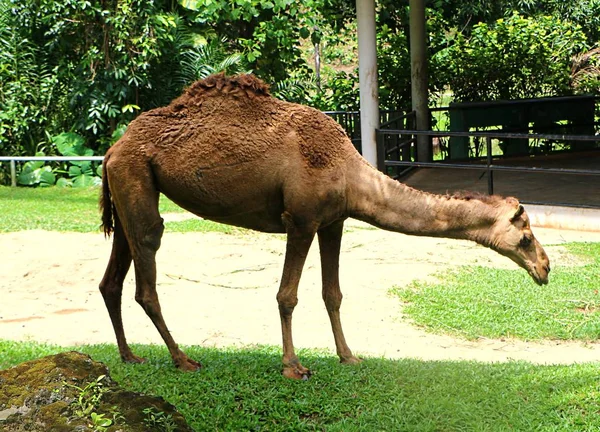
x,y
258,221
228,197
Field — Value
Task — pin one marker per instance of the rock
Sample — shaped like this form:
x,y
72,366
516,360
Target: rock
x,y
71,392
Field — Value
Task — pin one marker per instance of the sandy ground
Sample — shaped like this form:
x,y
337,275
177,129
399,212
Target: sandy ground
x,y
219,290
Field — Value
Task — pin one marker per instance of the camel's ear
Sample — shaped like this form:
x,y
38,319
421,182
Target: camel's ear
x,y
518,213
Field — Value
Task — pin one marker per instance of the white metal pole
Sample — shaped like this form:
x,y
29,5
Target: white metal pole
x,y
367,75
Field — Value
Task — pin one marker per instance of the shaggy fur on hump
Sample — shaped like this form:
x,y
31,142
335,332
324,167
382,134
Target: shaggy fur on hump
x,y
219,84
224,120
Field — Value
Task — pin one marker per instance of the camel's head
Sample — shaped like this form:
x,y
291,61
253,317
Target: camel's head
x,y
513,238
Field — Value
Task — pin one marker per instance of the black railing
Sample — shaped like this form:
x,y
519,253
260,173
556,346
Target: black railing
x,y
350,121
564,115
389,162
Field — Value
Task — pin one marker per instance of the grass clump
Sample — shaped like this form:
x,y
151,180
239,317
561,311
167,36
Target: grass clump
x,y
76,210
477,302
201,225
242,390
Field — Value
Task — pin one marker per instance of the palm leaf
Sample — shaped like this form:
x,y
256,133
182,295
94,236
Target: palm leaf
x,y
585,68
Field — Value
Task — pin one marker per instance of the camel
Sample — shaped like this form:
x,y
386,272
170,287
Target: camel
x,y
226,150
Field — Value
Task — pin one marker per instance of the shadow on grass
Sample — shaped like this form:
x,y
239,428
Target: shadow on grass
x,y
242,389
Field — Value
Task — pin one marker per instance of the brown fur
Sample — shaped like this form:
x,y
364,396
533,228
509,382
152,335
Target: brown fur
x,y
220,85
468,195
228,151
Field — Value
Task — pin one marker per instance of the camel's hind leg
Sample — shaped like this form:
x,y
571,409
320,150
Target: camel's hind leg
x,y
137,208
111,288
330,240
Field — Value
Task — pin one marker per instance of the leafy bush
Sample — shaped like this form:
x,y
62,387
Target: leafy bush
x,y
79,66
268,32
393,62
36,173
340,93
69,174
27,86
514,58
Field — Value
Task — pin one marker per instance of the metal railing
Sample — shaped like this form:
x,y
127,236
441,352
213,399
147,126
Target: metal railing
x,y
490,166
350,122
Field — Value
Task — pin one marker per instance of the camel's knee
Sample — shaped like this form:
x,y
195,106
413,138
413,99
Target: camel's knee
x,y
333,300
149,303
153,235
110,288
287,303
107,289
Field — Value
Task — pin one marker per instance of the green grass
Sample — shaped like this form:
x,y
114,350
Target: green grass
x,y
201,225
479,301
76,210
242,390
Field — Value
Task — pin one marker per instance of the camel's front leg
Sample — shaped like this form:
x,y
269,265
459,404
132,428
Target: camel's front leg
x,y
330,240
298,244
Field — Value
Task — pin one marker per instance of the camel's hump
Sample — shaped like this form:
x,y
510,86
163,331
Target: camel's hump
x,y
247,85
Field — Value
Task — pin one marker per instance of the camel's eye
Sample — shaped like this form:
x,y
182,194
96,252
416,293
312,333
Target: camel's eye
x,y
525,242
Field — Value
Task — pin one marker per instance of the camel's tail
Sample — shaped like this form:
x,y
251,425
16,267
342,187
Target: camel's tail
x,y
106,205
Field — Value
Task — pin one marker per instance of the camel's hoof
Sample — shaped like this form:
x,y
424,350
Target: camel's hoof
x,y
188,365
297,373
132,358
351,360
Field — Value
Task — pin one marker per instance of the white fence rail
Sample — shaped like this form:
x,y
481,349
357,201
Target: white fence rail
x,y
13,159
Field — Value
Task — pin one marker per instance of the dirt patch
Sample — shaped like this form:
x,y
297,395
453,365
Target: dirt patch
x,y
219,290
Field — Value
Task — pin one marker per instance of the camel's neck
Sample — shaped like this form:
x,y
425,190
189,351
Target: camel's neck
x,y
388,204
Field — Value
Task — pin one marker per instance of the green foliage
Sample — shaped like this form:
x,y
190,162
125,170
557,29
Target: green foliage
x,y
294,89
71,144
99,422
88,401
36,173
516,57
339,94
80,173
198,62
243,390
464,14
393,63
76,65
482,50
108,48
27,86
585,13
267,31
192,54
159,421
506,303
